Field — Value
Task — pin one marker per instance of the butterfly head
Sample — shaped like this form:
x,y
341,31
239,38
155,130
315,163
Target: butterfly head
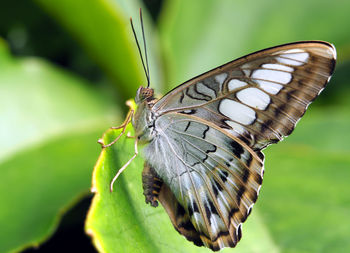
x,y
144,94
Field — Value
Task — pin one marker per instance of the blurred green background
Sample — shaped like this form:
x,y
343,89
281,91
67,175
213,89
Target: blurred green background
x,y
67,68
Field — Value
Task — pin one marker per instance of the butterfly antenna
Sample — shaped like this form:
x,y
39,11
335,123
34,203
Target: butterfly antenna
x,y
138,46
145,48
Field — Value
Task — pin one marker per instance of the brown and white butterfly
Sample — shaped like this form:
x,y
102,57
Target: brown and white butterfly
x,y
203,140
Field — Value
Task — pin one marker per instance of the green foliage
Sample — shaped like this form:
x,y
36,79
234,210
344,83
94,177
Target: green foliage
x,y
51,120
305,197
200,35
49,123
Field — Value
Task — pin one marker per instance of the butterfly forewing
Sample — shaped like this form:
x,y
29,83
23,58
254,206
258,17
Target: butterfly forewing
x,y
259,97
209,133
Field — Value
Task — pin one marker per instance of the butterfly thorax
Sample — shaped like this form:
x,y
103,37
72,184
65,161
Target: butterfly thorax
x,y
144,118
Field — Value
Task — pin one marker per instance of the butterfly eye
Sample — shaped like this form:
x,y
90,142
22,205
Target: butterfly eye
x,y
144,94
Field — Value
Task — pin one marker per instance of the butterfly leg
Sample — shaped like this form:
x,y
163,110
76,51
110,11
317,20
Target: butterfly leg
x,y
123,126
124,166
151,185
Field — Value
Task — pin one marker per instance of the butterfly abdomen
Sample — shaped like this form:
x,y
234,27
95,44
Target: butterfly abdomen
x,y
151,184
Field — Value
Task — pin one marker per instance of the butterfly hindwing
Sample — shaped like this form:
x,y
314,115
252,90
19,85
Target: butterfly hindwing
x,y
215,179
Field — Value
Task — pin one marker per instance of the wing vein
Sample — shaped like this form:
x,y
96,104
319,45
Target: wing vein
x,y
228,152
206,222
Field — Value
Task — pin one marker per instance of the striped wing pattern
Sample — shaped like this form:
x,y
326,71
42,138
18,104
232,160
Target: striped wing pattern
x,y
211,130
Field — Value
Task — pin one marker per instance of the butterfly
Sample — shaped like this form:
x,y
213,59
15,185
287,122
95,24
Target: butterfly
x,y
203,140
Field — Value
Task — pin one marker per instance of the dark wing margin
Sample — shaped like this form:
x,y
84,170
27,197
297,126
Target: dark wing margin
x,y
178,216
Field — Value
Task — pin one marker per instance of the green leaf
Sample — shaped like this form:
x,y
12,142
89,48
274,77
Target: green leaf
x,y
305,184
305,199
50,122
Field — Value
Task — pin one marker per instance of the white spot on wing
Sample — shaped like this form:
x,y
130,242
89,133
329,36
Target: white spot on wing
x,y
198,220
272,88
213,223
237,111
258,191
277,67
223,205
235,83
220,78
254,98
250,209
297,56
272,75
236,128
289,62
